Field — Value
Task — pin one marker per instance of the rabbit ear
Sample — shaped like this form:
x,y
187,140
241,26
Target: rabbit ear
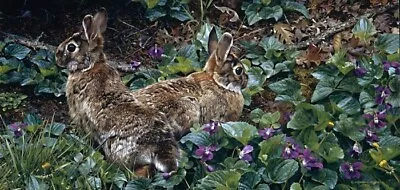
x,y
94,26
212,41
224,46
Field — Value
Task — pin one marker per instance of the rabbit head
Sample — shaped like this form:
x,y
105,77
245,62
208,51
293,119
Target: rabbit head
x,y
82,49
226,68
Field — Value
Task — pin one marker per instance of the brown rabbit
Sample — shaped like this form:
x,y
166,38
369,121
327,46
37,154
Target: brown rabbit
x,y
137,128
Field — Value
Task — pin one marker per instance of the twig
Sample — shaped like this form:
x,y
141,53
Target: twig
x,y
343,26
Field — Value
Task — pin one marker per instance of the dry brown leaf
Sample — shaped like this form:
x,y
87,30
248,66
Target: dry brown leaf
x,y
283,33
299,35
337,41
313,54
314,4
302,24
231,12
378,2
354,42
381,22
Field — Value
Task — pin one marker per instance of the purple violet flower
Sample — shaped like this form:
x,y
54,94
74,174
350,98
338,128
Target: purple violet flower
x,y
376,119
309,161
292,149
245,154
135,64
387,65
211,127
356,150
381,94
266,133
351,171
205,152
166,175
17,128
156,52
371,136
210,168
360,71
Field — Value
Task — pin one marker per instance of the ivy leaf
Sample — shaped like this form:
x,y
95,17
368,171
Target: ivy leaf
x,y
364,29
325,176
295,6
256,77
349,84
388,141
249,180
271,12
241,131
388,43
220,180
256,115
285,86
17,50
280,172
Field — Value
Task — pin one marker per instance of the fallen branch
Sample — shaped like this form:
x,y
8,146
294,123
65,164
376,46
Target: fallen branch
x,y
36,44
343,26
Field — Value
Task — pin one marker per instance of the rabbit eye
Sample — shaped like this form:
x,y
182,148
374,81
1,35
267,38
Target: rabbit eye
x,y
238,70
71,47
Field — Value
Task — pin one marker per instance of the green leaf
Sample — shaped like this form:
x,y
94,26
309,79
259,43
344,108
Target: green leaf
x,y
198,138
309,138
203,34
325,176
256,115
345,102
350,127
285,86
271,12
139,183
271,45
249,180
349,84
256,77
394,85
9,64
271,148
241,131
169,183
262,187
231,163
389,141
179,13
323,89
49,141
78,157
308,115
364,29
266,2
366,100
388,43
296,186
295,6
220,180
155,13
151,3
331,152
55,128
280,172
17,50
252,13
32,183
86,167
250,91
340,61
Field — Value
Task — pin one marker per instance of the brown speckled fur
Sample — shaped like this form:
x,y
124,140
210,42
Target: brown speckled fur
x,y
138,129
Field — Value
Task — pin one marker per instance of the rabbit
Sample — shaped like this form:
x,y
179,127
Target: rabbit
x,y
130,133
211,94
140,128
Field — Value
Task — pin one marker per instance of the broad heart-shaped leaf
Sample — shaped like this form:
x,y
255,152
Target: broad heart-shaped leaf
x,y
309,138
386,153
285,86
198,138
364,29
345,102
249,180
203,34
325,71
155,13
231,163
169,183
17,50
182,64
179,13
271,45
350,127
366,100
388,43
324,88
389,141
325,176
220,179
349,84
340,61
256,77
295,6
256,115
252,12
331,152
296,186
151,3
271,12
308,115
139,183
271,148
394,85
280,171
241,131
248,92
55,128
270,120
270,68
9,64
